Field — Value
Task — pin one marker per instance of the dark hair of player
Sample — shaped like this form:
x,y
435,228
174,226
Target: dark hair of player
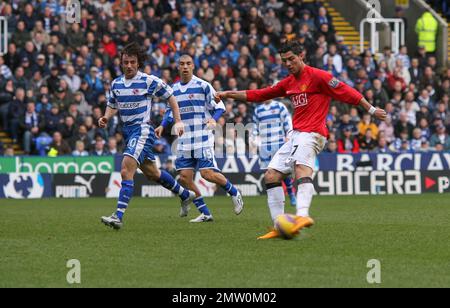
x,y
134,49
295,46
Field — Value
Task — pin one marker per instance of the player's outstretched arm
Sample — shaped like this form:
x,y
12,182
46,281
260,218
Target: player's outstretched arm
x,y
378,113
255,96
236,95
179,126
109,113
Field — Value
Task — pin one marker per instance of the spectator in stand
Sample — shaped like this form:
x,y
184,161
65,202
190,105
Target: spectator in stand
x,y
424,147
424,128
425,100
53,120
72,79
81,135
442,113
31,124
80,149
94,82
99,147
15,112
402,125
348,143
59,146
416,141
380,96
9,151
68,128
332,147
415,71
365,124
323,18
367,143
396,78
388,129
402,142
124,9
440,137
403,56
6,98
382,146
112,146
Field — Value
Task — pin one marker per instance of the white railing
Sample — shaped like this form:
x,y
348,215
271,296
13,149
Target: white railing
x,y
3,35
397,34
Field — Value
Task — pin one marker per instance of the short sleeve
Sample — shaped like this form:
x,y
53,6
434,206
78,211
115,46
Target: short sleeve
x,y
160,89
211,103
111,98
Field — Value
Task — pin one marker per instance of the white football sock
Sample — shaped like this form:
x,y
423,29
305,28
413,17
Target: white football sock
x,y
276,198
305,193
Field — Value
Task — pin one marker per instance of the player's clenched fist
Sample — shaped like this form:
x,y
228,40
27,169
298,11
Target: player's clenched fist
x,y
102,122
380,114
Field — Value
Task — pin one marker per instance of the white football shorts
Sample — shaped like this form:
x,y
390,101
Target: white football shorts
x,y
301,149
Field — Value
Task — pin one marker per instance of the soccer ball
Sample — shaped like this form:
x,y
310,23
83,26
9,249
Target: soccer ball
x,y
284,225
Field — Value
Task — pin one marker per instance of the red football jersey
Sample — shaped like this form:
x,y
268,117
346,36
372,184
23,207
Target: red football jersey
x,y
310,93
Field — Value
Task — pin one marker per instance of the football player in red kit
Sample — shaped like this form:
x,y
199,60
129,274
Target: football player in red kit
x,y
310,91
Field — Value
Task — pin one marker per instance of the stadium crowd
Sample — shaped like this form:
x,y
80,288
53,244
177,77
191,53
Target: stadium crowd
x,y
55,78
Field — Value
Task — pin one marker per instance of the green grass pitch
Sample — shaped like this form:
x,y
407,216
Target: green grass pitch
x,y
409,235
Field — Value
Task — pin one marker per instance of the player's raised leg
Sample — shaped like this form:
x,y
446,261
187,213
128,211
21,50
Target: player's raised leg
x,y
214,176
167,181
280,167
187,180
129,167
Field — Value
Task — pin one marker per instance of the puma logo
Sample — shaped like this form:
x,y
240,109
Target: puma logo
x,y
88,184
251,179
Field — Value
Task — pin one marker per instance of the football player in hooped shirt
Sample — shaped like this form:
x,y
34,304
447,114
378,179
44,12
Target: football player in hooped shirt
x,y
131,96
310,91
195,150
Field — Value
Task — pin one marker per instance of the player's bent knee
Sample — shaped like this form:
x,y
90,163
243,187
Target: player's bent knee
x,y
207,174
272,176
184,179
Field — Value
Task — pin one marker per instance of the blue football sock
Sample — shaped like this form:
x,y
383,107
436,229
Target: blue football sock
x,y
201,206
126,193
168,182
229,188
289,186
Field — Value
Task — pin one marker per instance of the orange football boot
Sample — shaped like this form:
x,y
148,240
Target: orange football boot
x,y
302,222
271,234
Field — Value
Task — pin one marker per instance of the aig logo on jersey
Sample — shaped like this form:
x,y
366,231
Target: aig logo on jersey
x,y
299,100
